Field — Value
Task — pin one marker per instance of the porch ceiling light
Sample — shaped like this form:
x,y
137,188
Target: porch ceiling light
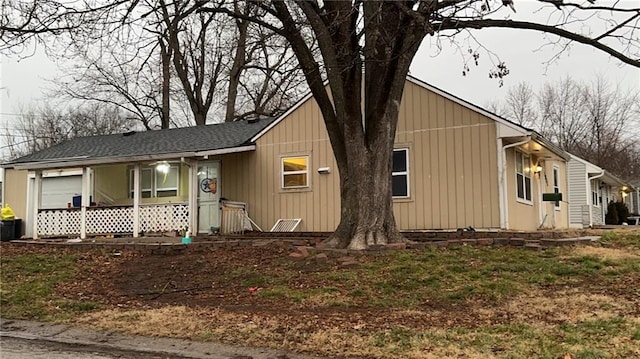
x,y
163,167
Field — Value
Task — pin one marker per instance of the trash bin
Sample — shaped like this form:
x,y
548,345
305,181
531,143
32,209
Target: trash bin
x,y
17,224
7,232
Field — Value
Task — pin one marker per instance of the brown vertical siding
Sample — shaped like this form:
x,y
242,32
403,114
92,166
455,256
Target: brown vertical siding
x,y
454,181
15,194
452,168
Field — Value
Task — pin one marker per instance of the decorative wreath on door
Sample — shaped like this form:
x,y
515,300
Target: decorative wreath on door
x,y
209,185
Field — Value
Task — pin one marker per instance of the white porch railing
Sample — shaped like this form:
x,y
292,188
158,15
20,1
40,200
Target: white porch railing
x,y
113,219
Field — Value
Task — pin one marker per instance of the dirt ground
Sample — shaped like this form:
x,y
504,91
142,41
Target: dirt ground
x,y
206,280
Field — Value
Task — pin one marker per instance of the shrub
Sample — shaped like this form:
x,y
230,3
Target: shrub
x,y
623,212
612,214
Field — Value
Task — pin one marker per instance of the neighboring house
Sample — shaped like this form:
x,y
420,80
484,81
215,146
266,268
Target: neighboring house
x,y
455,165
632,197
591,188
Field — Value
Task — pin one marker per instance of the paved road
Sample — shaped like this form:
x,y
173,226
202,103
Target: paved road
x,y
22,339
14,348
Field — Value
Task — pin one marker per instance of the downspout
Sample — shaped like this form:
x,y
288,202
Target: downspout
x,y
502,168
591,196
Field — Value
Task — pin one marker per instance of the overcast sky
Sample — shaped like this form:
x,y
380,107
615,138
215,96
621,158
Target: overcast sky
x,y
523,52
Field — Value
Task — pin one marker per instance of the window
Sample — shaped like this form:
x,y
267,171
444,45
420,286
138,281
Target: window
x,y
556,184
400,173
523,176
595,198
154,183
295,172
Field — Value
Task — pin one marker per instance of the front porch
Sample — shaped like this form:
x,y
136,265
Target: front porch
x,y
134,200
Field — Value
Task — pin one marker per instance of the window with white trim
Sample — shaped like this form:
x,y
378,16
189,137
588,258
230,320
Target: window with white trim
x,y
400,173
154,183
523,176
595,197
556,184
295,172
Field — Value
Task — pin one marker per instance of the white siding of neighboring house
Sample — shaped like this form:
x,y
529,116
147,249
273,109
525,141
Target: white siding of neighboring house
x,y
578,193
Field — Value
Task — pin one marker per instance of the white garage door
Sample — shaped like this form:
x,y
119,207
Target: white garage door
x,y
58,191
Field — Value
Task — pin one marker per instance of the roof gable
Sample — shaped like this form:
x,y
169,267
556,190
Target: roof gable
x,y
512,126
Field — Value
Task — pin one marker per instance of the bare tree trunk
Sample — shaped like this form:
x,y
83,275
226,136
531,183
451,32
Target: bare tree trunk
x,y
239,61
366,216
165,55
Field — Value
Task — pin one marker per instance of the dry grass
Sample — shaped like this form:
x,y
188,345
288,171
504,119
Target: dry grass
x,y
566,306
538,326
607,253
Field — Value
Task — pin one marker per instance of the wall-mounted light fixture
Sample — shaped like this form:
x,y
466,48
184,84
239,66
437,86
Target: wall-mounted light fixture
x,y
537,169
324,170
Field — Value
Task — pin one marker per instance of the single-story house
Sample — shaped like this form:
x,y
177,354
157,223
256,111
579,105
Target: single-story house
x,y
634,198
591,188
455,165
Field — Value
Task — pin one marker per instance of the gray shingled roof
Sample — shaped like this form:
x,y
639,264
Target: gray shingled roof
x,y
176,140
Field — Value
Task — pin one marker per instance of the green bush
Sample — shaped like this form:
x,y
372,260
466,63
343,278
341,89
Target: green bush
x,y
612,214
623,212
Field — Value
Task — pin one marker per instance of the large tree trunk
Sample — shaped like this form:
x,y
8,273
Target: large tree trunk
x,y
362,143
366,216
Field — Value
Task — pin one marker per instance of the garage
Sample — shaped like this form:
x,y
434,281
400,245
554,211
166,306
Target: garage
x,y
58,191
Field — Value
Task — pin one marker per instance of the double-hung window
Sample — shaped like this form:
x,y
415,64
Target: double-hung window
x,y
295,172
523,176
556,184
154,183
400,173
594,193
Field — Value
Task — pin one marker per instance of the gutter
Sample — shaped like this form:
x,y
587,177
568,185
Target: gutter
x,y
502,192
590,195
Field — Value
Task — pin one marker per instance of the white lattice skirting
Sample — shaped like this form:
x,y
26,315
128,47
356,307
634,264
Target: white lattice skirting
x,y
164,218
153,218
58,222
110,220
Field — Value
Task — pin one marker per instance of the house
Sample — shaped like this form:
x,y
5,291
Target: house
x,y
455,165
591,188
126,183
634,198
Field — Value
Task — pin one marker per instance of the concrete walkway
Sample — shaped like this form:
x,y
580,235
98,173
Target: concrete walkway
x,y
107,342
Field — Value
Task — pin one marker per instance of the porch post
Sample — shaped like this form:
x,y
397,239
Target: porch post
x,y
85,201
193,197
37,201
136,200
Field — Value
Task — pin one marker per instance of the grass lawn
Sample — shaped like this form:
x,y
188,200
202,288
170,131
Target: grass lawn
x,y
460,301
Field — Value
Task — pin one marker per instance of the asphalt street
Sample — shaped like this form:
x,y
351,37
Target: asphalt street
x,y
22,339
15,348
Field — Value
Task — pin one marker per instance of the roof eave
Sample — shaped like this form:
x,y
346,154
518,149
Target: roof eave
x,y
551,146
86,162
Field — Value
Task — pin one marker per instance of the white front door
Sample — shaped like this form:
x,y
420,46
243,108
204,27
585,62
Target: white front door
x,y
208,196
